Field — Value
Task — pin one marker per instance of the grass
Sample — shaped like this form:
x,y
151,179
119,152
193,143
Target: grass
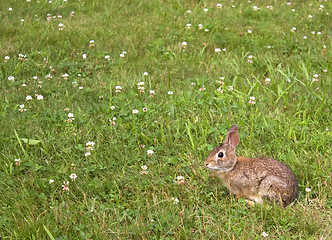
x,y
110,199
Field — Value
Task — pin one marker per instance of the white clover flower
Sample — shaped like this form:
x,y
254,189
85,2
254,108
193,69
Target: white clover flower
x,y
293,29
40,97
217,50
180,180
75,84
61,26
22,57
230,88
140,84
65,76
87,154
48,76
144,168
249,31
175,200
206,30
252,100
325,70
205,9
65,186
152,92
118,89
145,73
10,9
122,55
264,234
112,107
218,5
28,98
73,176
288,80
51,181
305,37
267,80
224,50
200,26
193,84
92,43
7,58
250,59
203,88
90,144
135,111
141,89
21,108
315,78
72,13
309,16
188,11
84,56
184,44
145,109
188,25
11,78
70,115
150,153
107,57
170,92
255,8
308,190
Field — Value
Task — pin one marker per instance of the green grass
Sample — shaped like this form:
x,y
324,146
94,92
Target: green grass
x,y
110,199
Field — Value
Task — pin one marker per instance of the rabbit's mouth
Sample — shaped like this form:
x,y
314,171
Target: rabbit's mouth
x,y
219,168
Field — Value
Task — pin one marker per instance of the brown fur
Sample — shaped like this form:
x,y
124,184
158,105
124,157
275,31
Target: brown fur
x,y
256,179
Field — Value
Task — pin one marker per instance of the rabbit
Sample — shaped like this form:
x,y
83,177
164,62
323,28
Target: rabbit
x,y
255,179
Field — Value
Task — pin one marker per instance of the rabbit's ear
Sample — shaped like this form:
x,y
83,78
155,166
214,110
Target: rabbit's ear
x,y
232,137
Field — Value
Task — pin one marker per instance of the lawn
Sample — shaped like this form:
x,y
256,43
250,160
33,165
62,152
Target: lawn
x,y
108,110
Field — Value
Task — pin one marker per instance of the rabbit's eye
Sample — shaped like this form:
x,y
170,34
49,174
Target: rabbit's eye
x,y
221,155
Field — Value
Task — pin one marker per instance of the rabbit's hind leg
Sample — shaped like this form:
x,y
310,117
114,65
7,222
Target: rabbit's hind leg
x,y
271,188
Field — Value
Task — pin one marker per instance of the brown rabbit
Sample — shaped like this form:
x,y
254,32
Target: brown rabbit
x,y
252,178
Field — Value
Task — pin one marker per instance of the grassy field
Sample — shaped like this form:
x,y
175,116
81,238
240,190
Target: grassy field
x,y
106,139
